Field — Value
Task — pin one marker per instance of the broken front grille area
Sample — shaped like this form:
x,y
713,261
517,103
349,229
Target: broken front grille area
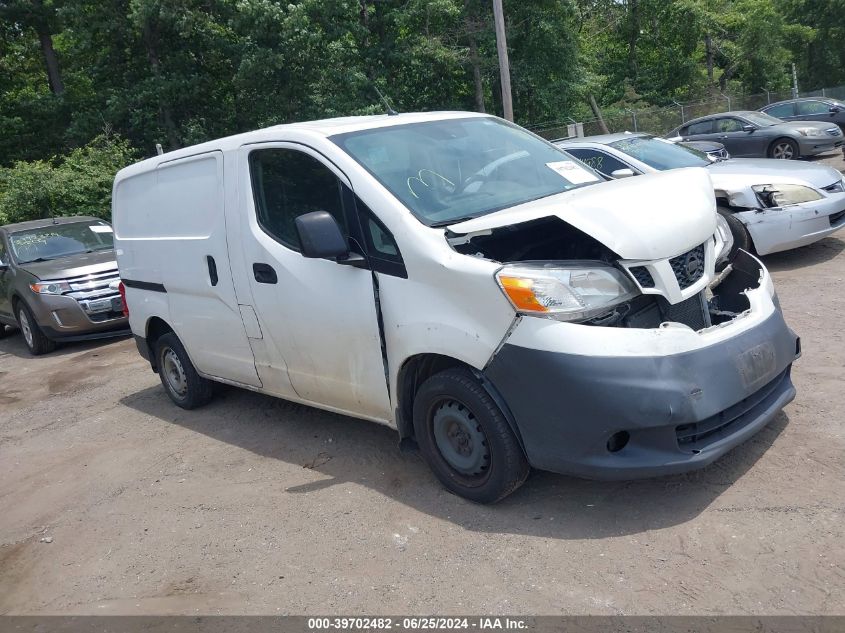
x,y
649,311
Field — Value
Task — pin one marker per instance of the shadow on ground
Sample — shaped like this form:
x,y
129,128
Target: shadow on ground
x,y
817,253
12,344
348,451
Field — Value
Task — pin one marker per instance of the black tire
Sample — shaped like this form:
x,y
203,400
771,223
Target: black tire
x,y
494,464
178,376
784,149
742,239
36,341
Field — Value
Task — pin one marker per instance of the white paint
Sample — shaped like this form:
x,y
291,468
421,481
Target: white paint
x,y
313,337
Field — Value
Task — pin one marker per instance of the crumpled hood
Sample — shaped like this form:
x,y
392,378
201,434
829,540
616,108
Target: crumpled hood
x,y
647,217
72,265
745,172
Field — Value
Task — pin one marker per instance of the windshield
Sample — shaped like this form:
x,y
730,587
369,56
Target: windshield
x,y
60,240
450,170
762,119
660,154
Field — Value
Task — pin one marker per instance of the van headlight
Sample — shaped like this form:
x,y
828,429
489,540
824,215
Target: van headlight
x,y
567,291
783,195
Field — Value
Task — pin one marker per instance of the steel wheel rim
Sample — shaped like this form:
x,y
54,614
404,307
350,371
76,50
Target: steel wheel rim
x,y
459,439
783,151
25,327
174,373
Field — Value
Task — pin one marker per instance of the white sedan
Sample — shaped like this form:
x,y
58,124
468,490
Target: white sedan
x,y
770,205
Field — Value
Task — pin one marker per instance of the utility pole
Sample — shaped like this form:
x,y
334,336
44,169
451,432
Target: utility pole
x,y
504,64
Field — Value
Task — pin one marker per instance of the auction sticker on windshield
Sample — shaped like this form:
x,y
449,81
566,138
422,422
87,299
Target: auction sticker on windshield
x,y
572,171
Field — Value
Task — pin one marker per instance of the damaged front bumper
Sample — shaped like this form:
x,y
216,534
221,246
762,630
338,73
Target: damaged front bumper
x,y
620,403
780,229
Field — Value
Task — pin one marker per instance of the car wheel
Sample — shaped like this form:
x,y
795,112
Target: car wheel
x,y
742,239
178,375
465,438
784,149
33,336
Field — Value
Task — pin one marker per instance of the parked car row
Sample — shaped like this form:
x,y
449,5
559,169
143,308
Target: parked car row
x,y
502,303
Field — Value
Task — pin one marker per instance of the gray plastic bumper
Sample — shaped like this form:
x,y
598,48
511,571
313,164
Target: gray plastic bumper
x,y
680,412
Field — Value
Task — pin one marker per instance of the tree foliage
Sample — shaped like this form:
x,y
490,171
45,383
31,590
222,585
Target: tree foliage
x,y
178,72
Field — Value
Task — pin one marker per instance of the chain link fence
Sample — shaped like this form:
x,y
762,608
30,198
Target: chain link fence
x,y
660,120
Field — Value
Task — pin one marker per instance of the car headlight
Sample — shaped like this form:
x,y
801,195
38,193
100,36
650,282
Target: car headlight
x,y
49,287
724,239
567,291
782,195
810,131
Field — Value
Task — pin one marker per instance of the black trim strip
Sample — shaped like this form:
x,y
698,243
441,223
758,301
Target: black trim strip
x,y
144,285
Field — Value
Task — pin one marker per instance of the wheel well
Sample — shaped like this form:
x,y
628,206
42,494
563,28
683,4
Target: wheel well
x,y
781,138
413,373
156,328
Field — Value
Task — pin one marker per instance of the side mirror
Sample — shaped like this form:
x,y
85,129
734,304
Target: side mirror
x,y
320,237
834,109
748,128
622,173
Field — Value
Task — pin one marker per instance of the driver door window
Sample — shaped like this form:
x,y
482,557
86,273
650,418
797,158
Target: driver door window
x,y
813,108
728,125
286,184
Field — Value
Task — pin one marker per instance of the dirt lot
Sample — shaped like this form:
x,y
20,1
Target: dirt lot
x,y
255,505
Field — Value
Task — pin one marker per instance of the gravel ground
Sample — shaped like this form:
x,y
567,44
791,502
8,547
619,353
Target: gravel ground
x,y
256,505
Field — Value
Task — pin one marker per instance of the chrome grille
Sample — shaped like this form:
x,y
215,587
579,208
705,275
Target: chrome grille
x,y
97,293
689,267
833,131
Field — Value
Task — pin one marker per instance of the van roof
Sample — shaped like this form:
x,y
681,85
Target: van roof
x,y
323,128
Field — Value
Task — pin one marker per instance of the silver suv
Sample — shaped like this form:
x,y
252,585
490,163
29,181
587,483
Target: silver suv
x,y
59,282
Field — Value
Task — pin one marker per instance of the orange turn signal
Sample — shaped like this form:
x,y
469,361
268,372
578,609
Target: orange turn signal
x,y
521,293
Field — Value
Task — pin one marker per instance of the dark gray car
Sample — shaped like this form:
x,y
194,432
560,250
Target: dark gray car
x,y
59,282
809,109
753,134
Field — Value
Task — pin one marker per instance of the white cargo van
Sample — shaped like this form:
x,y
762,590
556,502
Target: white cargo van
x,y
462,280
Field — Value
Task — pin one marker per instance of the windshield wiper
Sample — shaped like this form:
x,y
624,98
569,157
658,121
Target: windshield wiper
x,y
38,259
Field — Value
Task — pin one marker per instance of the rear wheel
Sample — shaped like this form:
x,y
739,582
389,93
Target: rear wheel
x,y
784,149
33,336
180,379
465,438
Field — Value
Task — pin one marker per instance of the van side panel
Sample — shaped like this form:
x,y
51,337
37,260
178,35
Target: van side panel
x,y
171,233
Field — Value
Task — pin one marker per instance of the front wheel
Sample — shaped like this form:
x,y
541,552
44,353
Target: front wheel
x,y
784,149
178,375
36,341
465,438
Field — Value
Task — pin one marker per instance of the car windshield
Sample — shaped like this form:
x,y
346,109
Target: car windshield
x,y
455,169
762,119
661,154
60,240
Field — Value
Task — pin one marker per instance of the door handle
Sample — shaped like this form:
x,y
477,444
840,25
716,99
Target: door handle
x,y
212,270
264,273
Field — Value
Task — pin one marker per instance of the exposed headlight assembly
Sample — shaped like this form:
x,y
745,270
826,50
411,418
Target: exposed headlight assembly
x,y
566,291
782,195
810,131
